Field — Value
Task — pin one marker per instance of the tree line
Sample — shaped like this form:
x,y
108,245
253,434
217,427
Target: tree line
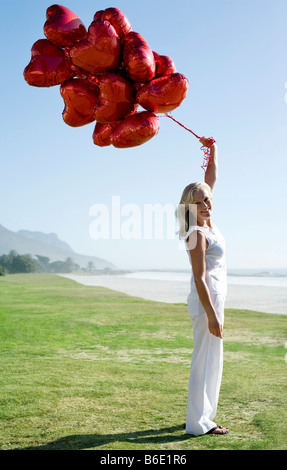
x,y
14,263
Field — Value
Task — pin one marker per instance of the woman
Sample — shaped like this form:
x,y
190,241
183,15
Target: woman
x,y
205,247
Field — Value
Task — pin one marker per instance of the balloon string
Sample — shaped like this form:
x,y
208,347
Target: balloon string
x,y
189,130
207,159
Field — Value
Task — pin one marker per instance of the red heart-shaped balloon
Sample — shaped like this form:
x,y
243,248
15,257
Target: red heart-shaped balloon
x,y
164,65
100,51
102,133
63,28
117,97
117,18
48,66
163,94
80,97
135,130
138,58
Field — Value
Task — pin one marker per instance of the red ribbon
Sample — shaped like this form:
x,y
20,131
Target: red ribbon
x,y
206,150
189,130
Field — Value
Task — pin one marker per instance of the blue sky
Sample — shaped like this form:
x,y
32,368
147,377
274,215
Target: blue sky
x,y
234,56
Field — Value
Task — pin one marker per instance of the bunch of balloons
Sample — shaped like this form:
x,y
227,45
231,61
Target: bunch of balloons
x,y
105,74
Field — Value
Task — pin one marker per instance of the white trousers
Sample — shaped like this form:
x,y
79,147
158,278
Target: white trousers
x,y
206,368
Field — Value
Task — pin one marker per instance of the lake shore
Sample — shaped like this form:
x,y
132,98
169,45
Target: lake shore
x,y
264,299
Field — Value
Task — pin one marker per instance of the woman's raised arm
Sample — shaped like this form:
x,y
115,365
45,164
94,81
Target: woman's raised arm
x,y
211,173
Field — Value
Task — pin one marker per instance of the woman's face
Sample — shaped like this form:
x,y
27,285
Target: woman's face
x,y
202,200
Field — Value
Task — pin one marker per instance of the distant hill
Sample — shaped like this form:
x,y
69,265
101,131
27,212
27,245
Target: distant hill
x,y
50,238
38,243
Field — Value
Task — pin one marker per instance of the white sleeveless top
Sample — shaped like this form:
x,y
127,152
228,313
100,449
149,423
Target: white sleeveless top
x,y
216,276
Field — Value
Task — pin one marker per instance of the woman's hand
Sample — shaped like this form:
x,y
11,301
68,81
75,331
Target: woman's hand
x,y
207,142
215,326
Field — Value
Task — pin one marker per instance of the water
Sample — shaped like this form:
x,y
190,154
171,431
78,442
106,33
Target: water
x,y
272,278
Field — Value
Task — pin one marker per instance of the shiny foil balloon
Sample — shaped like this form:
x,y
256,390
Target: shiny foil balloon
x,y
163,94
100,51
102,133
63,28
135,130
164,65
80,97
117,97
138,58
49,65
117,18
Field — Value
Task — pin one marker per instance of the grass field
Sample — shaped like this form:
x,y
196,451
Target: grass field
x,y
90,368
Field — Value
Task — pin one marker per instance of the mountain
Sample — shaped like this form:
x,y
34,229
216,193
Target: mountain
x,y
50,238
38,243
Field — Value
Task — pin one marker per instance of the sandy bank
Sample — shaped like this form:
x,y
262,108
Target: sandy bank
x,y
258,298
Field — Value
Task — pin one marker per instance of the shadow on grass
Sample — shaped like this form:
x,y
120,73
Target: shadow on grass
x,y
89,441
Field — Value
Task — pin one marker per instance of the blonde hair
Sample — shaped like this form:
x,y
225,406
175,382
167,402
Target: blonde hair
x,y
185,213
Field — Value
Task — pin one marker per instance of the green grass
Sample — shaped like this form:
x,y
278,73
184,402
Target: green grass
x,y
90,368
